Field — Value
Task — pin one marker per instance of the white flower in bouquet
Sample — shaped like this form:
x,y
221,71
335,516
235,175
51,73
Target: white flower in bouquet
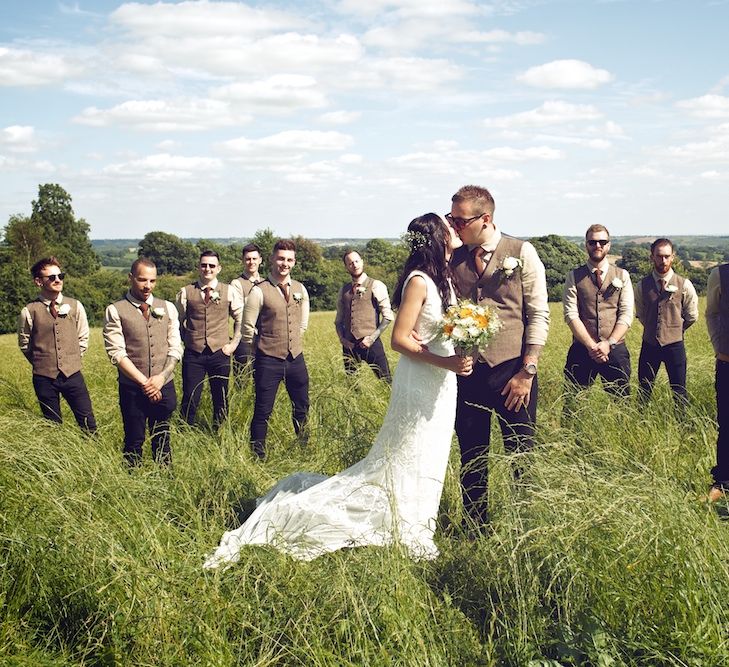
x,y
470,326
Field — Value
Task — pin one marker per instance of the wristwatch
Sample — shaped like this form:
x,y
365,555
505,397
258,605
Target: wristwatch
x,y
612,343
530,368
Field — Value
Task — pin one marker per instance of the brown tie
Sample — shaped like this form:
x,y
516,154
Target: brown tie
x,y
598,278
144,307
53,309
478,253
662,285
284,287
354,288
206,295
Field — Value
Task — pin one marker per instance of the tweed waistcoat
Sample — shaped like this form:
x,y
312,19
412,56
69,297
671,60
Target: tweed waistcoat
x,y
206,324
598,309
244,284
361,312
53,342
146,340
662,318
496,289
279,323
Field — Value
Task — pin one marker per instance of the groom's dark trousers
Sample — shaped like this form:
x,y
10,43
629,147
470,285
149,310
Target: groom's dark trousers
x,y
479,394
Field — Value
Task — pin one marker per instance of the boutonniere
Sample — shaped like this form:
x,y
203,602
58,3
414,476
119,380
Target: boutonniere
x,y
297,296
64,309
671,289
509,265
159,313
360,290
617,283
215,296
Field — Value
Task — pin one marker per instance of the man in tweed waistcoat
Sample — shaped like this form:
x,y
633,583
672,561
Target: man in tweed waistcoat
x,y
53,334
243,284
278,308
142,339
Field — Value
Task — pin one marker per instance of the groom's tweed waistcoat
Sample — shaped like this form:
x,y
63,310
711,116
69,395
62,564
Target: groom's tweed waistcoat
x,y
494,288
243,284
724,310
206,324
598,309
53,342
279,323
662,318
145,340
361,312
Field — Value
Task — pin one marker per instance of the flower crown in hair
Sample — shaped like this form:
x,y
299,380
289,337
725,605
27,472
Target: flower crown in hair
x,y
416,240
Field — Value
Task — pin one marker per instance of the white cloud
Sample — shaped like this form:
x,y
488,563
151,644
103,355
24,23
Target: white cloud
x,y
281,92
521,38
711,150
707,106
552,112
565,74
403,74
411,8
19,139
164,116
20,67
340,117
291,144
164,167
509,154
580,195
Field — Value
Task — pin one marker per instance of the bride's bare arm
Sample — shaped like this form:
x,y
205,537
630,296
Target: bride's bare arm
x,y
402,341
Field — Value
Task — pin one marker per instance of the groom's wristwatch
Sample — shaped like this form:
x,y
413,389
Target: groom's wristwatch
x,y
530,368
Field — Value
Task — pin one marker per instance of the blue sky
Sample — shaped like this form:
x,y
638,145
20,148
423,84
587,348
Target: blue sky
x,y
351,117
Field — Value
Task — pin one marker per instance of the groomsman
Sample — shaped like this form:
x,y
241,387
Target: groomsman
x,y
204,308
363,313
666,304
279,308
717,320
53,334
505,273
251,258
142,339
598,309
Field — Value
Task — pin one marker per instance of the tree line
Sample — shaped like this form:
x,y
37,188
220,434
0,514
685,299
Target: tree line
x,y
53,229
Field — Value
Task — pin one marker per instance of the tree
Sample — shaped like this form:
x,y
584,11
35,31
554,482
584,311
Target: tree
x,y
65,236
559,256
170,253
23,241
265,240
636,260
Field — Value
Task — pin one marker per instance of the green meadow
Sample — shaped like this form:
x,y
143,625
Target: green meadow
x,y
603,555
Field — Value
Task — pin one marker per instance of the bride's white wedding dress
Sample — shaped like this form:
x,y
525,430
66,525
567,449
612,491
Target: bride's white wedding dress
x,y
392,495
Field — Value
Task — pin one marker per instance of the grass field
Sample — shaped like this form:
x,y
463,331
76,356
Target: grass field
x,y
605,556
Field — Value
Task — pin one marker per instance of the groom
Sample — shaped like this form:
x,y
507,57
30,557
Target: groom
x,y
505,273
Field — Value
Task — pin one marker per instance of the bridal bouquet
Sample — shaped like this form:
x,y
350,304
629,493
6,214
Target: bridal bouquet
x,y
470,326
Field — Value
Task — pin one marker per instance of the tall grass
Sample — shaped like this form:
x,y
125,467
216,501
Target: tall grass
x,y
601,554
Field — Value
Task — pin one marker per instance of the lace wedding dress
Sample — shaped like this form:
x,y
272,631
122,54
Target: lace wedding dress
x,y
392,495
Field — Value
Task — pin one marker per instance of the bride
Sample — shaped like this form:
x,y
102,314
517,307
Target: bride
x,y
393,494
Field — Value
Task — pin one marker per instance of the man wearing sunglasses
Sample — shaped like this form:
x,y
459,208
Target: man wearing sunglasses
x,y
53,334
204,307
506,273
598,309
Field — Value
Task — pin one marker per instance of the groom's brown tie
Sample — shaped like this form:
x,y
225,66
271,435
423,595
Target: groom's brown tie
x,y
598,278
478,253
53,309
144,307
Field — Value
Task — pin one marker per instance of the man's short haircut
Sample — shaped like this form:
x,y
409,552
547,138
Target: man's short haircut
x,y
209,253
660,242
283,244
251,247
349,252
41,264
597,227
482,200
141,261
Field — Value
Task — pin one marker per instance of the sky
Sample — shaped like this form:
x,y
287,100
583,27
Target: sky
x,y
348,118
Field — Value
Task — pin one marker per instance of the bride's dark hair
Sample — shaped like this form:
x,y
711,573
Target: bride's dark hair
x,y
427,237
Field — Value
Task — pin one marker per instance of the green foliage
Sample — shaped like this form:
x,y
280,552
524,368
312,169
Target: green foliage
x,y
170,253
559,256
636,260
265,239
601,555
23,242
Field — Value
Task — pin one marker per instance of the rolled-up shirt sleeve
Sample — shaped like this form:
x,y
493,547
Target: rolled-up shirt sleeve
x,y
82,328
626,301
114,343
339,316
534,289
689,304
174,340
379,291
569,299
251,310
305,307
25,326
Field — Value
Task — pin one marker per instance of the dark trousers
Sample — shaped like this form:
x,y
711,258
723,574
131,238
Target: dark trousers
x,y
138,414
73,389
195,366
268,375
582,371
374,356
473,428
720,472
674,357
243,359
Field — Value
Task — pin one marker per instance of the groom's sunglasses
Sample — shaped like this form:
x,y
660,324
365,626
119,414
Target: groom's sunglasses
x,y
53,277
460,223
601,242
